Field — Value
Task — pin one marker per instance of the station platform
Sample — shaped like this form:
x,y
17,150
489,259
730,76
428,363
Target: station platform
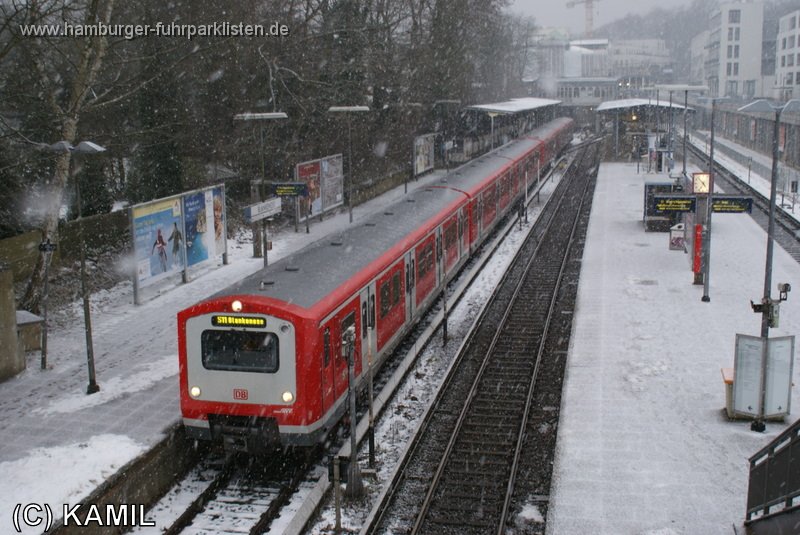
x,y
644,444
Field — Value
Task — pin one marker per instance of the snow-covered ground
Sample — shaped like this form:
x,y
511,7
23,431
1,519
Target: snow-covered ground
x,y
644,446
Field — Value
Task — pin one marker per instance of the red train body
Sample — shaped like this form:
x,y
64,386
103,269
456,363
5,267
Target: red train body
x,y
261,362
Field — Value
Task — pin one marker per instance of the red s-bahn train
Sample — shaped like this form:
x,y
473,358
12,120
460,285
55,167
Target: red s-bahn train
x,y
261,362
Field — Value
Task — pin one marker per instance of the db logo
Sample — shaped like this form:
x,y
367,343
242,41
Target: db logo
x,y
240,393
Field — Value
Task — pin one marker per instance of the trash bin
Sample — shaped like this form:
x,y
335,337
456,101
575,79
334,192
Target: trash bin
x,y
677,240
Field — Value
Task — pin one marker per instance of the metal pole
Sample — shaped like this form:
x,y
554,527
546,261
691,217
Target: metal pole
x,y
492,118
758,424
685,133
355,487
707,241
371,430
350,164
87,318
266,240
337,493
44,304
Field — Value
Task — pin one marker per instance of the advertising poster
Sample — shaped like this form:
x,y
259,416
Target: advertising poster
x,y
423,153
199,239
309,172
158,240
332,176
220,221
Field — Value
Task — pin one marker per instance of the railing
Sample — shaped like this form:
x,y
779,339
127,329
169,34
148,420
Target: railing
x,y
775,477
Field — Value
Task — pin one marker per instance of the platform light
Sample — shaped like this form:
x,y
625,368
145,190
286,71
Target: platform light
x,y
194,391
287,397
236,306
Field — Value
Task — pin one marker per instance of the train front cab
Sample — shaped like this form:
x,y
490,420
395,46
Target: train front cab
x,y
238,374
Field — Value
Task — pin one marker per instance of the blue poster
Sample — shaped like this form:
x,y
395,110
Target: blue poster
x,y
197,232
158,240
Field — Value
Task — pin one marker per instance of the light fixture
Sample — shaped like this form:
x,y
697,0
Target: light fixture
x,y
287,397
236,306
194,391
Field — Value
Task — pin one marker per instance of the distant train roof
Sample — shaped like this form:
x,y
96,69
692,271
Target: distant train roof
x,y
309,275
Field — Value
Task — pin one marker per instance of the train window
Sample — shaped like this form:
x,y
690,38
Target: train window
x,y
396,288
426,261
240,351
326,344
386,303
364,319
347,322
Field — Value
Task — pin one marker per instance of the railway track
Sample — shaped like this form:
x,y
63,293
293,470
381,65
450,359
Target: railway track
x,y
787,228
240,497
499,403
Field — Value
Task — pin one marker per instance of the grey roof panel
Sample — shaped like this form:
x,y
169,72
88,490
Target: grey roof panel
x,y
309,275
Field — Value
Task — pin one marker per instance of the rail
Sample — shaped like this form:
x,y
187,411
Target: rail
x,y
774,484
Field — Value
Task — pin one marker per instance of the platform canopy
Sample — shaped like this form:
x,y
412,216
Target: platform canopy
x,y
613,105
516,105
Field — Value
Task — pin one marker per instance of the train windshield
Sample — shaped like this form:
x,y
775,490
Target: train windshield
x,y
241,351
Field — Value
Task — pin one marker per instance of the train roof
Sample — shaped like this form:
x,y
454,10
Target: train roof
x,y
318,270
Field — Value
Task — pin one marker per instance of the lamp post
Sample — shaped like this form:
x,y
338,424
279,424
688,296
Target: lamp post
x,y
710,202
84,147
254,192
355,487
349,110
766,309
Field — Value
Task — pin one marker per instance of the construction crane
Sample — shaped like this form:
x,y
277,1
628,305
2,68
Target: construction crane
x,y
589,13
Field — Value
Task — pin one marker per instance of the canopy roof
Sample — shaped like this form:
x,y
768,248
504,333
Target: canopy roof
x,y
626,103
515,105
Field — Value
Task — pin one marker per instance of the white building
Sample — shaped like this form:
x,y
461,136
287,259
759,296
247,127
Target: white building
x,y
787,57
698,50
733,60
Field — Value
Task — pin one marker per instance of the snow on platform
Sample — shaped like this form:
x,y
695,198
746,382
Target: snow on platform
x,y
644,446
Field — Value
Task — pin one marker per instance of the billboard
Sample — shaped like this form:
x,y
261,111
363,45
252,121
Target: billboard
x,y
332,168
157,239
172,234
325,180
423,153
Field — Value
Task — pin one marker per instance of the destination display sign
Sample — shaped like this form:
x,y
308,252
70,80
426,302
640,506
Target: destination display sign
x,y
674,203
288,189
732,205
238,321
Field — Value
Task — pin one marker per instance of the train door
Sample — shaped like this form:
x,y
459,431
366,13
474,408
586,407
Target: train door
x,y
369,340
340,370
328,385
410,283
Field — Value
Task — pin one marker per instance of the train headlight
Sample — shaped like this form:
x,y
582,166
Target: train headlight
x,y
194,391
288,397
236,306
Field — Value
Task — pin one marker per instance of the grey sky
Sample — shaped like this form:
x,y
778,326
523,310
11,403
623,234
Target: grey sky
x,y
555,13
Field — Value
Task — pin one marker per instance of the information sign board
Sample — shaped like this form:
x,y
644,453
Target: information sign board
x,y
732,205
779,376
747,375
262,210
288,189
673,203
